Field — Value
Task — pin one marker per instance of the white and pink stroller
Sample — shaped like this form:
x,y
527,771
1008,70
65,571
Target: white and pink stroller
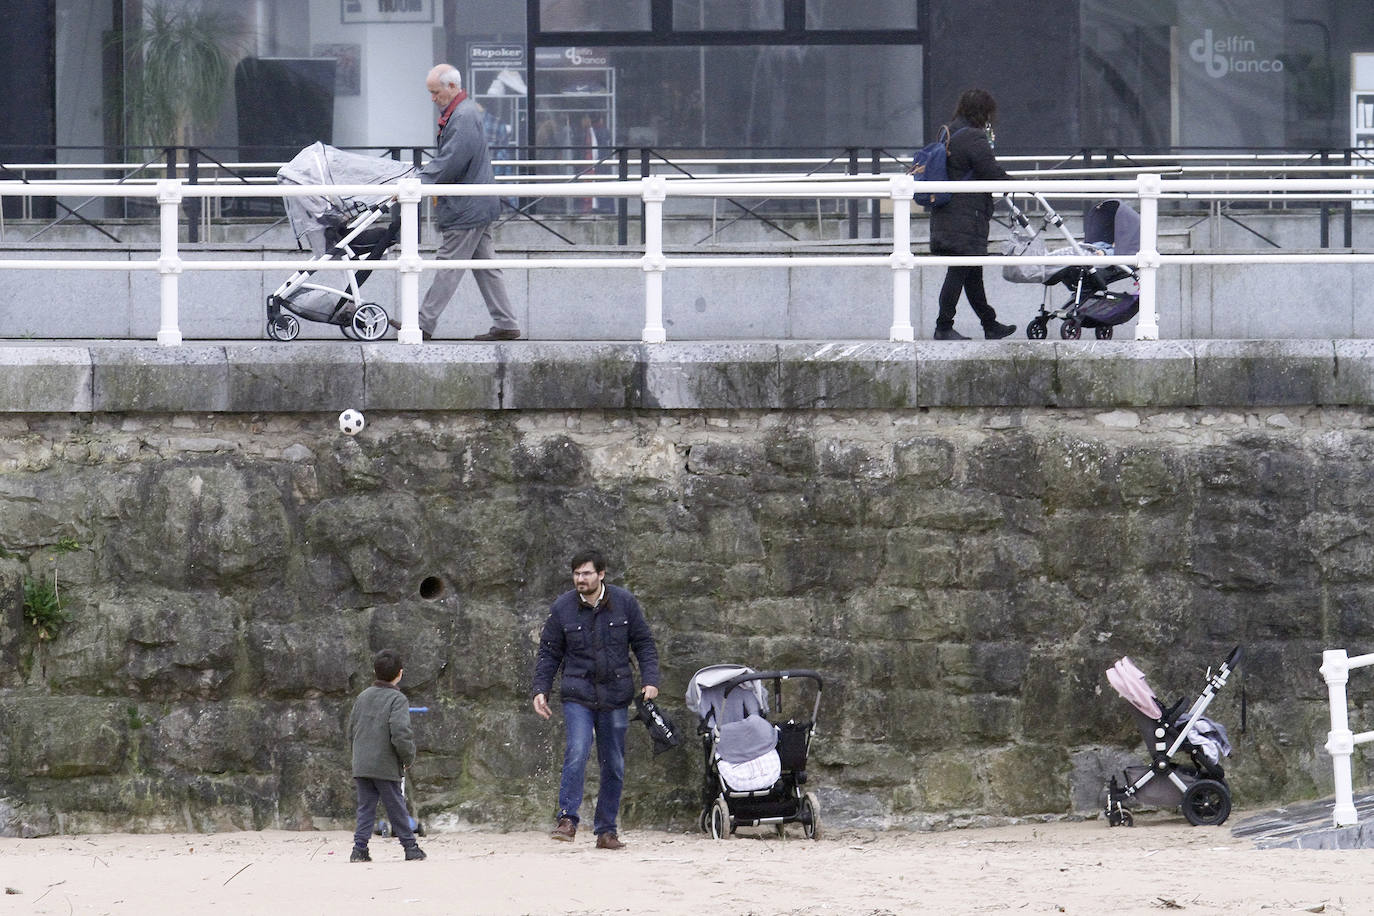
x,y
1198,787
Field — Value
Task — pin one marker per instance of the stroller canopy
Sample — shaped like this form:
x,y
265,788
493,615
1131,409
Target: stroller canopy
x,y
1129,681
319,164
706,695
1113,223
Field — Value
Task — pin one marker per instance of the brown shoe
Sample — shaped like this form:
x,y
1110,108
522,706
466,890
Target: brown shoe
x,y
565,830
500,334
608,841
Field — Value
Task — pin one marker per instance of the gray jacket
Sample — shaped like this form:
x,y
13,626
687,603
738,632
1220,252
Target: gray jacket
x,y
379,728
463,158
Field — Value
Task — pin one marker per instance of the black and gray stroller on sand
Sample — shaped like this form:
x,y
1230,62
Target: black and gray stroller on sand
x,y
755,771
336,227
1109,228
1197,787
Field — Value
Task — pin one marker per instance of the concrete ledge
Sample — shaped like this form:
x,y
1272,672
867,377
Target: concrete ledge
x,y
45,379
309,376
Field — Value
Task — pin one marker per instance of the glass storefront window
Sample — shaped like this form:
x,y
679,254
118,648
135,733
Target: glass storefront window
x,y
593,15
871,14
695,15
794,97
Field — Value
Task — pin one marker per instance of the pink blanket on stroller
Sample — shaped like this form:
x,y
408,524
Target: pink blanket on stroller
x,y
1129,681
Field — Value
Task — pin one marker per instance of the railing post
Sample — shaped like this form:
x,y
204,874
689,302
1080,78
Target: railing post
x,y
903,187
852,169
1150,185
622,206
1340,741
193,205
168,261
408,194
654,192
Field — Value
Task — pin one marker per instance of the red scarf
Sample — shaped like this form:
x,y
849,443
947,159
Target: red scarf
x,y
448,112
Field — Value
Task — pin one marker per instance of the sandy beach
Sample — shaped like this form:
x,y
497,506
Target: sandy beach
x,y
1161,865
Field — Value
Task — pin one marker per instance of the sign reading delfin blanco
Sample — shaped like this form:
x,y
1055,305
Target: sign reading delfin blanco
x,y
1230,54
387,11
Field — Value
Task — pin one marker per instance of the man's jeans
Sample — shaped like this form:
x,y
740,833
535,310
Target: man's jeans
x,y
389,792
609,727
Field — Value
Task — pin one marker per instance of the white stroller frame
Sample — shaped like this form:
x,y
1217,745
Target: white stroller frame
x,y
1200,792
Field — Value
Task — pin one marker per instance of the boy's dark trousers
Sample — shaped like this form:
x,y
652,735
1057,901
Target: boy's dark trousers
x,y
389,791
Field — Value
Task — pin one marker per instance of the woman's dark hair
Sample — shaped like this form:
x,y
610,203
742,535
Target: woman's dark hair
x,y
593,557
386,664
977,107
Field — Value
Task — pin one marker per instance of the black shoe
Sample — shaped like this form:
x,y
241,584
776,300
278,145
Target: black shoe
x,y
360,855
997,330
949,334
415,854
500,334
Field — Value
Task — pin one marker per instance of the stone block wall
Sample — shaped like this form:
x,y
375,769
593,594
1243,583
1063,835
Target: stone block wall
x,y
961,575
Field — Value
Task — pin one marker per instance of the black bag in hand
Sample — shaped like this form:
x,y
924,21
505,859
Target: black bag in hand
x,y
662,731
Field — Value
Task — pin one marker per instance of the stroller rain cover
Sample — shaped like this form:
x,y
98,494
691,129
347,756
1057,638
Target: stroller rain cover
x,y
320,164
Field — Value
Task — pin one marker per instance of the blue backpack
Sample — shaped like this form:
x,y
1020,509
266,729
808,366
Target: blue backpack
x,y
931,164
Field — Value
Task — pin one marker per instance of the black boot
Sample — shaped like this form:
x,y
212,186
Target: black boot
x,y
949,334
997,330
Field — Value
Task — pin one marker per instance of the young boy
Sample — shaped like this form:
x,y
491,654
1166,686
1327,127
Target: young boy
x,y
379,728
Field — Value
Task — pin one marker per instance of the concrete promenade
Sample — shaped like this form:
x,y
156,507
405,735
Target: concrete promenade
x,y
311,376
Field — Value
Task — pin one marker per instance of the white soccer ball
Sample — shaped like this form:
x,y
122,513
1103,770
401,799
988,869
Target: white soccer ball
x,y
351,422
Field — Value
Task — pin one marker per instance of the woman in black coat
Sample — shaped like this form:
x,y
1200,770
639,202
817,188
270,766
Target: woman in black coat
x,y
961,226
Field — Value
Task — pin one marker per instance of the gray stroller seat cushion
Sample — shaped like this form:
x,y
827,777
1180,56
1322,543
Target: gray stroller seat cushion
x,y
745,740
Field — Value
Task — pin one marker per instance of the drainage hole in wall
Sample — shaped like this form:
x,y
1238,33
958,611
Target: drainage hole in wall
x,y
432,588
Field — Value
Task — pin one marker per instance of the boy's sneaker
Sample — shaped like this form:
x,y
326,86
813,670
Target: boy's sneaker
x,y
360,855
415,854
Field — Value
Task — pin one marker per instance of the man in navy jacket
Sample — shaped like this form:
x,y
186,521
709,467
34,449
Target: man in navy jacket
x,y
464,222
590,634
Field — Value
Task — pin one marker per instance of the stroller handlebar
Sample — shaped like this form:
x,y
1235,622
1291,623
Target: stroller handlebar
x,y
745,678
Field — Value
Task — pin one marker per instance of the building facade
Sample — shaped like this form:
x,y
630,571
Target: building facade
x,y
585,76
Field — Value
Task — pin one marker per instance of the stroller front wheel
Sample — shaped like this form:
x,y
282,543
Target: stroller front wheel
x,y
721,827
1036,328
1207,803
283,327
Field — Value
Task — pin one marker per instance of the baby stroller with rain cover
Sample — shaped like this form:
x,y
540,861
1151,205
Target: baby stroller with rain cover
x,y
1109,228
755,771
1199,788
336,227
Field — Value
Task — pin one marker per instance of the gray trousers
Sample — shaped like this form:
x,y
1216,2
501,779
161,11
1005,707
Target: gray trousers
x,y
460,245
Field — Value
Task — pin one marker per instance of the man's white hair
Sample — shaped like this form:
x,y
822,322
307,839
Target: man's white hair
x,y
451,77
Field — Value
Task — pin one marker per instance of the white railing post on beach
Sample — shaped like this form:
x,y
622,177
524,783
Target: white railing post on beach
x,y
410,265
1147,324
654,192
903,261
1340,741
168,261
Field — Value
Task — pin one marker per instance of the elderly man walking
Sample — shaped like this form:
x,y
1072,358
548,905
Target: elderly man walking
x,y
464,222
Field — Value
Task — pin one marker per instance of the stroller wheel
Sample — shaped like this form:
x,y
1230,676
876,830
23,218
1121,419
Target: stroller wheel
x,y
1207,803
811,816
704,819
1071,329
1104,332
1036,328
721,828
283,327
369,321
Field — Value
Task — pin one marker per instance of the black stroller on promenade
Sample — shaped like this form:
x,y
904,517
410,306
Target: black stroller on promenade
x,y
1110,227
336,227
1197,787
755,771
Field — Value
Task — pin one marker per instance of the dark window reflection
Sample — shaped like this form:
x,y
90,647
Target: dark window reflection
x,y
870,14
593,15
692,15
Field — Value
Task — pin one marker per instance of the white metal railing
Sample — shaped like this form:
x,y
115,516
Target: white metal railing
x,y
1341,741
1146,189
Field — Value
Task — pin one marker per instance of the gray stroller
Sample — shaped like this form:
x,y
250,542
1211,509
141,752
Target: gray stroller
x,y
755,771
1110,227
1197,787
336,227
